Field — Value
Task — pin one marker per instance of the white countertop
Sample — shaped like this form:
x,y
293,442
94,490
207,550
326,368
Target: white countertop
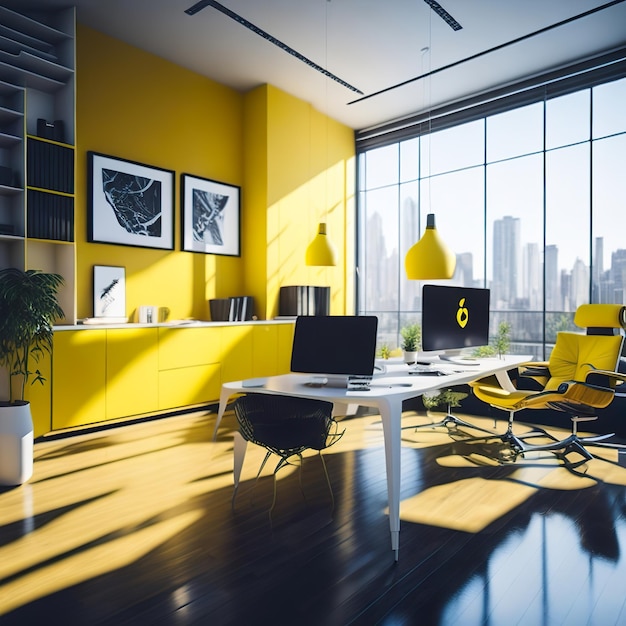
x,y
187,323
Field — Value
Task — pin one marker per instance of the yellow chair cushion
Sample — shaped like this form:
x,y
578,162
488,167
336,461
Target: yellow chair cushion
x,y
599,315
496,396
576,394
575,355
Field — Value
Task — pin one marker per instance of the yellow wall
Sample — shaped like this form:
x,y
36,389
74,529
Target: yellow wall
x,y
135,106
308,165
295,167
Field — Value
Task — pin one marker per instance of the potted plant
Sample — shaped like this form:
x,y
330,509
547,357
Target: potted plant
x,y
384,351
503,341
28,310
411,342
445,397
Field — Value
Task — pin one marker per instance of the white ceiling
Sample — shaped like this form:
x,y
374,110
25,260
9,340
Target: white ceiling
x,y
371,44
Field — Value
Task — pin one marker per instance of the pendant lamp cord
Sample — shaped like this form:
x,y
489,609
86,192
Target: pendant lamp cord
x,y
428,88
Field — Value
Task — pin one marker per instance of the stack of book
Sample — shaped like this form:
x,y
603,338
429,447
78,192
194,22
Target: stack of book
x,y
50,166
237,309
50,216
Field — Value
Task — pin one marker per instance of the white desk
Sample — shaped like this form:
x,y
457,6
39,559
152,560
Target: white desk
x,y
386,394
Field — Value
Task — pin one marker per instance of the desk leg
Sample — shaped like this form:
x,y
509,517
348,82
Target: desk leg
x,y
391,414
224,395
502,376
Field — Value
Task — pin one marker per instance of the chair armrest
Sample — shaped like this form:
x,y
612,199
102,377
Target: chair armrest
x,y
536,372
610,373
617,377
536,368
535,364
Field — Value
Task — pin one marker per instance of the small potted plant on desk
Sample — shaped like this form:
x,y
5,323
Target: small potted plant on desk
x,y
28,310
411,342
384,352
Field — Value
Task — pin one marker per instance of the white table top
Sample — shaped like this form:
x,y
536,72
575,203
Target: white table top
x,y
396,381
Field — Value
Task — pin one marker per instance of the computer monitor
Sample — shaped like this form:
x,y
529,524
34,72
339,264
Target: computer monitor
x,y
454,318
334,347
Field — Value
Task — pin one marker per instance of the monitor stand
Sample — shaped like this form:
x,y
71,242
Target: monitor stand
x,y
340,381
458,359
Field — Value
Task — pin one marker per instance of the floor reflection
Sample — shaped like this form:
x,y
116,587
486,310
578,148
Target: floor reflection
x,y
136,526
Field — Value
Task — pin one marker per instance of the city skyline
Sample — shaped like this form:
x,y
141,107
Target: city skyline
x,y
516,268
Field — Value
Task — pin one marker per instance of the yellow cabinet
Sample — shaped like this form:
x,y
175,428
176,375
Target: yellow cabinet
x,y
131,371
101,374
236,353
78,378
265,350
285,342
199,384
256,350
271,349
189,369
185,347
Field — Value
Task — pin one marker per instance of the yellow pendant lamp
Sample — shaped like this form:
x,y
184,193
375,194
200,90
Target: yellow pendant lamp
x,y
321,250
429,258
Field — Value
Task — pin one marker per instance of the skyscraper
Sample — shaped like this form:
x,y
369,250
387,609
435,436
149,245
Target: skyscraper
x,y
532,277
506,262
553,293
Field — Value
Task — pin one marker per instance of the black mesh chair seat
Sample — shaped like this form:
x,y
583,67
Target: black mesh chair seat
x,y
286,426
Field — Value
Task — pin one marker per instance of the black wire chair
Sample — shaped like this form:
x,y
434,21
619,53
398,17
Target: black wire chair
x,y
286,426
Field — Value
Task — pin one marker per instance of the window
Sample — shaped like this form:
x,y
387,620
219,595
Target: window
x,y
530,198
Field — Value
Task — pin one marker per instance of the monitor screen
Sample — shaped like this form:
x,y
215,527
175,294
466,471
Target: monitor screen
x,y
454,317
334,344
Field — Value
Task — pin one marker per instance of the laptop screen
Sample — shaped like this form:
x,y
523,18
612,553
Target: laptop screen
x,y
335,344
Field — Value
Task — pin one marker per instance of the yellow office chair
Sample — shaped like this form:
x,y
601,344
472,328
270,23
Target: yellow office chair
x,y
579,379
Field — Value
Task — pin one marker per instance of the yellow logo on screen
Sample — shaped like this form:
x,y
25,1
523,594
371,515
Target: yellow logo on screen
x,y
462,315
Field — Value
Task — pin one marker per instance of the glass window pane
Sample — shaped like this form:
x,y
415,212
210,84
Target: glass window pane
x,y
609,108
379,232
526,330
381,166
497,232
409,160
388,329
609,220
458,202
515,133
515,233
453,148
410,290
567,228
568,119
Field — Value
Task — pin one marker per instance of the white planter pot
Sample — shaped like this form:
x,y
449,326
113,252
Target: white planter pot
x,y
410,357
16,443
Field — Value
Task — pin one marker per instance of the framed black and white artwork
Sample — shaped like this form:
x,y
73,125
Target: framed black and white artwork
x,y
211,214
109,291
129,203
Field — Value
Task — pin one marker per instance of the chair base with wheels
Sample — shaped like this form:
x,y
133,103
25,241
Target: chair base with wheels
x,y
574,443
451,422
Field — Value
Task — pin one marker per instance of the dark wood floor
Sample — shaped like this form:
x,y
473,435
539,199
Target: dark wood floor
x,y
134,526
